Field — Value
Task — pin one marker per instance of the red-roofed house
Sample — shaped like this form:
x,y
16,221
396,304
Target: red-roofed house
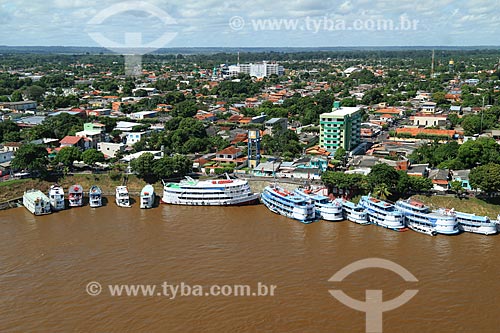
x,y
242,137
427,131
392,111
317,150
205,116
230,155
73,141
234,118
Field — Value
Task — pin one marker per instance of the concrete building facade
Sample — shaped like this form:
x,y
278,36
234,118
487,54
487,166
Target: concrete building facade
x,y
340,128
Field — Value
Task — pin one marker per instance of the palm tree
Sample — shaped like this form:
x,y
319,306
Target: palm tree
x,y
381,191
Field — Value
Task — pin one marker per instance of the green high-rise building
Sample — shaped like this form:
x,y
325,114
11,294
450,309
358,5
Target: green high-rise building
x,y
340,128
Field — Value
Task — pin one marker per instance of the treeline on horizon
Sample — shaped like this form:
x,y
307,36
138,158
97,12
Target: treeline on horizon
x,y
12,58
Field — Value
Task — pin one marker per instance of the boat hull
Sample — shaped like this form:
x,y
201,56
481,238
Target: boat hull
x,y
483,230
325,209
95,204
122,204
241,201
421,228
56,198
330,216
147,202
95,197
37,203
301,217
353,213
383,214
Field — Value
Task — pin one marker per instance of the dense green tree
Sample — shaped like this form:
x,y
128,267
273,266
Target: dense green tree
x,y
454,119
194,145
12,137
54,101
218,142
143,166
128,86
16,96
7,128
438,154
364,76
373,96
383,174
92,156
471,124
456,186
32,158
284,142
486,177
479,152
340,154
439,98
174,97
109,122
141,93
68,155
186,109
61,125
35,93
420,184
170,167
340,181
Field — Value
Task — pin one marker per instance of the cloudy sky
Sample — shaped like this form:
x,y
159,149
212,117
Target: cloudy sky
x,y
249,23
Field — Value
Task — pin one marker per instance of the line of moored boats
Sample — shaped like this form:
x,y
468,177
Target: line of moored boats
x,y
307,206
40,204
302,204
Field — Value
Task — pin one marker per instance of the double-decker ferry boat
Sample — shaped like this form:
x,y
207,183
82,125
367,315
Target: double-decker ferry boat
x,y
326,209
220,192
289,204
122,198
36,202
476,224
420,218
56,197
147,197
354,213
75,196
382,213
95,196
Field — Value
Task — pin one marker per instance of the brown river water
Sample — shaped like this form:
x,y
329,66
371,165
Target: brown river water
x,y
46,263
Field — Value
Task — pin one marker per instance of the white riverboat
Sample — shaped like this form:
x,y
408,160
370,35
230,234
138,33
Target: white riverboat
x,y
289,204
95,196
354,213
36,202
382,213
56,197
326,209
220,192
75,196
122,197
476,224
420,218
147,197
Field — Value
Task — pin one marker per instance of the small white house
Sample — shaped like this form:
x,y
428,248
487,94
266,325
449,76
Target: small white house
x,y
110,149
134,137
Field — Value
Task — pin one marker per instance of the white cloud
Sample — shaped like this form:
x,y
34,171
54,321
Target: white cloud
x,y
206,22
